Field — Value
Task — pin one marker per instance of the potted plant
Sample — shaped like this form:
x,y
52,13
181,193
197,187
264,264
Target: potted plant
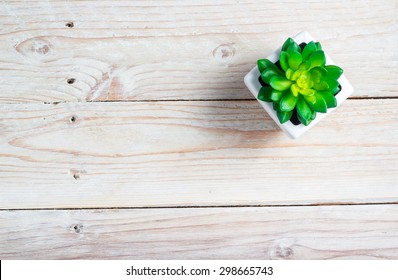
x,y
298,84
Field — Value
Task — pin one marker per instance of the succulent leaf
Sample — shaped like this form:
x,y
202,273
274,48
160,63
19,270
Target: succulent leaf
x,y
295,89
310,99
313,115
307,91
293,47
305,65
276,106
316,77
317,59
320,70
305,122
335,90
319,105
329,98
318,46
265,64
317,73
288,102
295,60
283,60
322,85
265,94
297,74
276,95
287,43
309,49
303,109
280,83
289,74
334,71
332,83
267,74
284,116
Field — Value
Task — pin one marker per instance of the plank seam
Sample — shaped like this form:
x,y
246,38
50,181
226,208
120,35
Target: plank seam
x,y
173,100
204,206
188,100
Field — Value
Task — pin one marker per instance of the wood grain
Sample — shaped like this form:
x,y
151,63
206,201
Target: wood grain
x,y
185,135
336,232
193,153
185,50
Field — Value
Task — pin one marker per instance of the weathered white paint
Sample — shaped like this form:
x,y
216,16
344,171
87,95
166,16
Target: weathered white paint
x,y
181,49
193,153
333,232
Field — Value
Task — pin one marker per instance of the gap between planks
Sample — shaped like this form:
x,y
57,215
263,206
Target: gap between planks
x,y
187,100
205,206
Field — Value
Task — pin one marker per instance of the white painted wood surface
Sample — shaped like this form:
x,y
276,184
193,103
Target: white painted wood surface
x,y
193,153
332,232
145,106
145,50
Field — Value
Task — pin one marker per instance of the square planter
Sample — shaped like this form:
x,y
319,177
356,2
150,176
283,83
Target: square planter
x,y
295,131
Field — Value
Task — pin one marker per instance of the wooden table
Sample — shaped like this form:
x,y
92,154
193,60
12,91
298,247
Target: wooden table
x,y
127,132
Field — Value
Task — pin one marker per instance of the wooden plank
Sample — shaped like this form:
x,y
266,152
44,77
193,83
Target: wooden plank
x,y
193,153
181,49
334,232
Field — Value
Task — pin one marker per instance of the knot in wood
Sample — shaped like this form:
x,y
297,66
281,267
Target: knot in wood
x,y
77,228
76,173
284,252
36,48
73,119
224,52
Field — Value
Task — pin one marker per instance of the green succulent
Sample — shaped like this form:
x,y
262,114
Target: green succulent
x,y
302,82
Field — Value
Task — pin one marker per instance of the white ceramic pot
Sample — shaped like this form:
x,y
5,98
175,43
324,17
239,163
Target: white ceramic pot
x,y
295,131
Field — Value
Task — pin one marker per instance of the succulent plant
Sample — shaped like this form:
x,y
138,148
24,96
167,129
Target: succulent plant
x,y
302,82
